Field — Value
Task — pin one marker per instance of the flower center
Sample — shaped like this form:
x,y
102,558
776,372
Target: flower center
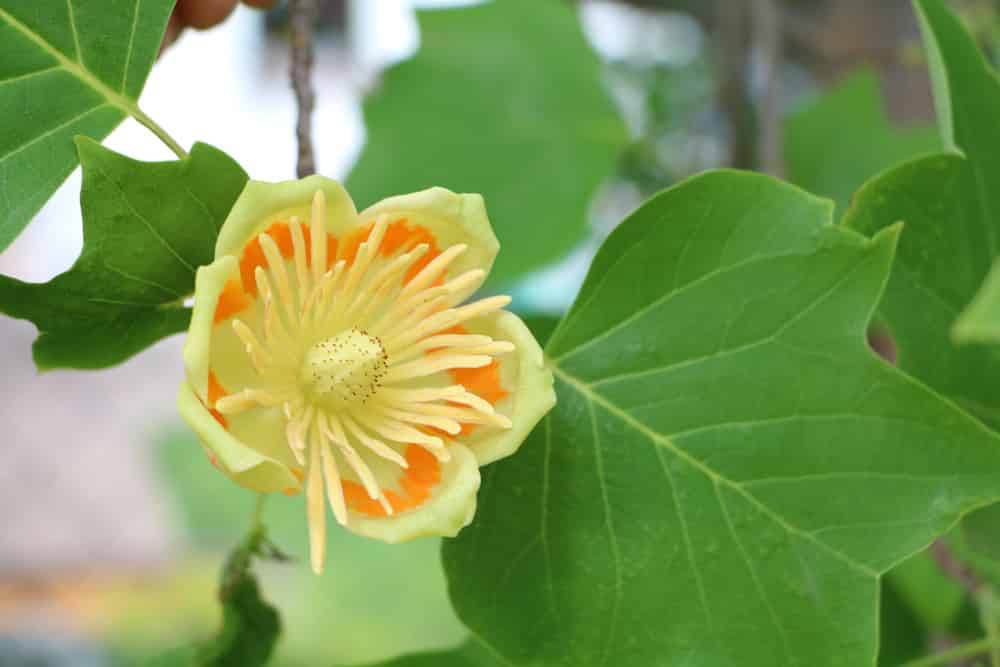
x,y
345,369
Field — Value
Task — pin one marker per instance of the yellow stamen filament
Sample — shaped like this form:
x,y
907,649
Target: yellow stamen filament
x,y
301,269
317,518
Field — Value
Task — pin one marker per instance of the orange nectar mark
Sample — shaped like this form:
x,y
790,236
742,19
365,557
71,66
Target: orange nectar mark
x,y
483,382
423,474
232,300
281,233
299,475
215,392
400,235
349,245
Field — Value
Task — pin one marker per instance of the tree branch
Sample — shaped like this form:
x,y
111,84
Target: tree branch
x,y
733,42
301,18
767,38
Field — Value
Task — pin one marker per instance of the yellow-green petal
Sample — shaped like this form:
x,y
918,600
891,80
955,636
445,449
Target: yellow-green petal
x,y
449,509
261,204
451,218
246,466
524,376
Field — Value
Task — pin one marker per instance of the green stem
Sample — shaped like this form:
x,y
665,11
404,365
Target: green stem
x,y
961,651
988,617
257,524
153,127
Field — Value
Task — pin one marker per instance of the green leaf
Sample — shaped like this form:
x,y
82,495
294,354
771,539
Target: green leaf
x,y
250,626
844,138
147,227
504,99
980,321
729,469
66,68
949,205
471,654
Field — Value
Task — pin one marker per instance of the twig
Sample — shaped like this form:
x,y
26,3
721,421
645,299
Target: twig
x,y
980,592
767,38
733,43
301,18
950,564
977,647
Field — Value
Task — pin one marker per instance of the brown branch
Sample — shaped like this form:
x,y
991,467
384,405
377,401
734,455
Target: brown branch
x,y
733,48
950,564
767,37
301,18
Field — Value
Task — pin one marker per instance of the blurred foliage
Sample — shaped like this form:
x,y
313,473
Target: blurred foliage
x,y
250,626
504,99
843,138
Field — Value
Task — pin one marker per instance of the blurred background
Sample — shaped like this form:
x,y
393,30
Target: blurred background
x,y
113,525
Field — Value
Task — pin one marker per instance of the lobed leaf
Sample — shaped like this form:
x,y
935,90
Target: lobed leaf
x,y
66,68
730,469
504,99
147,227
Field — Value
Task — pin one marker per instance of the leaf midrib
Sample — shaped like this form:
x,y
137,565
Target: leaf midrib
x,y
113,97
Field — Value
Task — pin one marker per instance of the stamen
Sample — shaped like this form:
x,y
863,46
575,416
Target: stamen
x,y
441,341
434,268
366,253
317,235
316,514
377,446
301,268
405,311
403,434
384,277
435,363
258,355
246,399
332,430
334,486
445,320
467,415
273,325
422,395
296,431
327,287
449,426
276,266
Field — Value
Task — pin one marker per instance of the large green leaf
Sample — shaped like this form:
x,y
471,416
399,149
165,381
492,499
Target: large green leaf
x,y
729,469
147,227
471,654
950,205
504,99
844,138
67,67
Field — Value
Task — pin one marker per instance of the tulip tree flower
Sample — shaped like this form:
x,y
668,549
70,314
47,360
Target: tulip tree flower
x,y
333,352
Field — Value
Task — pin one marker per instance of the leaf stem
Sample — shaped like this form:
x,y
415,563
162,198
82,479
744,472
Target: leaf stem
x,y
961,651
257,524
161,134
986,601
